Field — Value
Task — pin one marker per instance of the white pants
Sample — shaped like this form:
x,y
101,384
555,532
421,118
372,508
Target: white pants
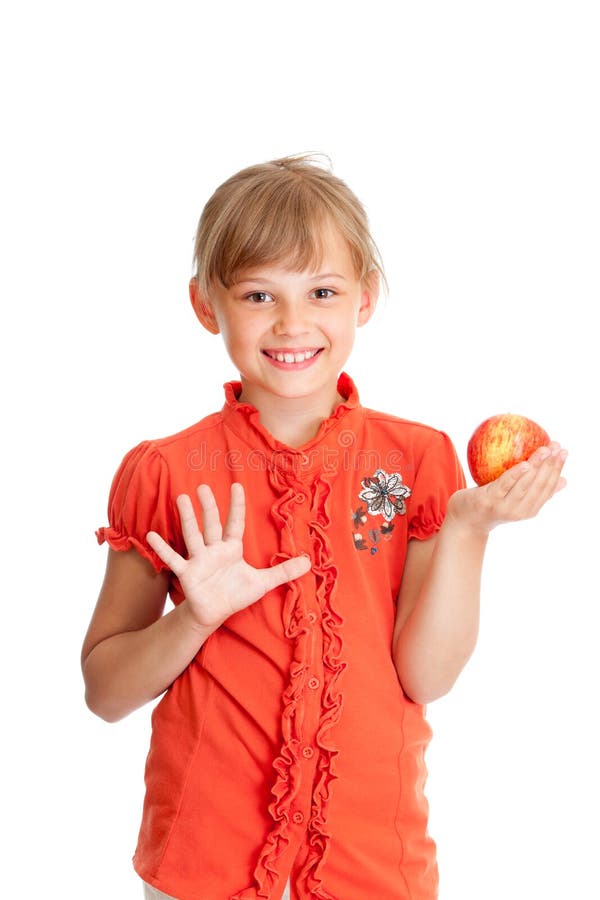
x,y
150,893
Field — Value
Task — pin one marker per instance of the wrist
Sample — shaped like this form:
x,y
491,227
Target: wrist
x,y
191,621
463,525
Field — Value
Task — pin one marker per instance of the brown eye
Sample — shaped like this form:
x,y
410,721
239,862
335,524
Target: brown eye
x,y
259,297
323,293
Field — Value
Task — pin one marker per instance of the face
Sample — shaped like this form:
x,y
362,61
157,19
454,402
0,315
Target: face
x,y
289,333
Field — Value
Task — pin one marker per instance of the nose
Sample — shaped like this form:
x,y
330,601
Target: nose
x,y
292,319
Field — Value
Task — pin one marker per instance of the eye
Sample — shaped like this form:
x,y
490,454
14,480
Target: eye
x,y
323,293
258,297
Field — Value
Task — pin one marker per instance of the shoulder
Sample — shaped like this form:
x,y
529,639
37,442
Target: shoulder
x,y
170,448
421,452
207,426
149,477
406,431
158,459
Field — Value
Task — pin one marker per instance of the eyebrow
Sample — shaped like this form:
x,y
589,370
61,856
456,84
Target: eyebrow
x,y
329,275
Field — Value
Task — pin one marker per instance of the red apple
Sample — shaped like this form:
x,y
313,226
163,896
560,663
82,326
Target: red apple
x,y
501,442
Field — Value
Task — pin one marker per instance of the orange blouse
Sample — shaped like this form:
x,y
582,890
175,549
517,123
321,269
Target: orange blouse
x,y
287,747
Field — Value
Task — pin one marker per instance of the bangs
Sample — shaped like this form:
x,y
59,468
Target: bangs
x,y
280,226
278,213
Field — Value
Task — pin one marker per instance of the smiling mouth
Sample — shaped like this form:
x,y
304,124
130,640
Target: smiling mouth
x,y
292,356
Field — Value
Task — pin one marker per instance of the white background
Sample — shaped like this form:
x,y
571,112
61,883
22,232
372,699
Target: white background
x,y
470,131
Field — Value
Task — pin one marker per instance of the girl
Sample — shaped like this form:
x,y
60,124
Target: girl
x,y
310,629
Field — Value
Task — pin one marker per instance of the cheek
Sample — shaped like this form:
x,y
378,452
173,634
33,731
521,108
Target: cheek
x,y
239,337
346,331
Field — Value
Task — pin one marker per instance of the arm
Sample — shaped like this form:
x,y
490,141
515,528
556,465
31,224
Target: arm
x,y
132,653
438,604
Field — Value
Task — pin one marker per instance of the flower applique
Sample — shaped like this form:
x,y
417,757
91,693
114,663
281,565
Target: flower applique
x,y
359,517
384,495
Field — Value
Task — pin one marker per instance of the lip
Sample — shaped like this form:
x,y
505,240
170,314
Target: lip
x,y
270,354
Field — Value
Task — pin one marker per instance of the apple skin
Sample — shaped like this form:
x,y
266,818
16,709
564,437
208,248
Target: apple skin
x,y
500,443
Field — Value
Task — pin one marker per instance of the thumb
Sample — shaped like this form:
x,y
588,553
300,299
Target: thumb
x,y
287,570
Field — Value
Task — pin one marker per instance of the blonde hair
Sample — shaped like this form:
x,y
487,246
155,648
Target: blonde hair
x,y
276,211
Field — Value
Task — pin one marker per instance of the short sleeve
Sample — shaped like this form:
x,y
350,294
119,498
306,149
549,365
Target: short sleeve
x,y
438,475
139,502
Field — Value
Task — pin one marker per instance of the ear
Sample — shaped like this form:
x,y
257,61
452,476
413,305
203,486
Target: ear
x,y
369,296
202,307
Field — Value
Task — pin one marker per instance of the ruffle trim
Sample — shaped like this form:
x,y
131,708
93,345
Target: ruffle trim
x,y
287,764
234,407
438,476
424,527
332,705
345,386
119,541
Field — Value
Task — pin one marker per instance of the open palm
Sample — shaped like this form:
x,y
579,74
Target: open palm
x,y
215,578
517,494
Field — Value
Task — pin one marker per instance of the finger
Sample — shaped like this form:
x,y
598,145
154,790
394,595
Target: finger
x,y
536,488
521,477
530,474
561,483
236,518
164,551
553,453
503,485
285,571
548,477
211,520
189,524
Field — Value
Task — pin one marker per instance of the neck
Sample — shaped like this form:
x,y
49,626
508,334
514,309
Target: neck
x,y
292,421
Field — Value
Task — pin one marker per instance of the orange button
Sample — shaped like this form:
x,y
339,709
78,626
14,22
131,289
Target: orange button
x,y
308,752
298,818
314,683
312,617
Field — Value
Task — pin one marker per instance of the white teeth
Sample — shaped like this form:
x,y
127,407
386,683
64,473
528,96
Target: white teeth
x,y
294,357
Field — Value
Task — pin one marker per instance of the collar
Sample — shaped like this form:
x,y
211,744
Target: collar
x,y
244,419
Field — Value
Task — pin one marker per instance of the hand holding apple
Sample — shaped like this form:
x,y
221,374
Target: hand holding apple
x,y
501,442
517,468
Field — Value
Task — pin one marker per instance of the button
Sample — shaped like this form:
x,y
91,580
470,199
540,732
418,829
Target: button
x,y
312,617
298,818
301,498
314,683
308,752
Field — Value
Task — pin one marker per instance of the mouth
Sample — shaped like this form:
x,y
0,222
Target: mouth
x,y
292,357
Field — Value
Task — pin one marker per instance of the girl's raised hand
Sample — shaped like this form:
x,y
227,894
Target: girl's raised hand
x,y
215,578
517,494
